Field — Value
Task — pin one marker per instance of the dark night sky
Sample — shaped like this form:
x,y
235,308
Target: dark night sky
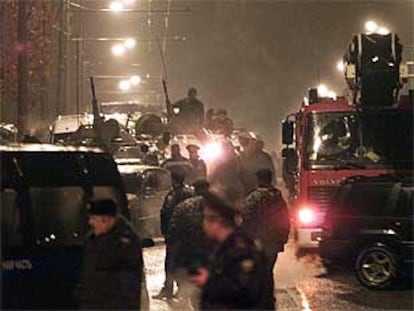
x,y
255,58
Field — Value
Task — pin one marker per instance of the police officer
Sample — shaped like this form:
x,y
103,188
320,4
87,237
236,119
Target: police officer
x,y
199,166
176,195
112,261
266,219
235,277
177,164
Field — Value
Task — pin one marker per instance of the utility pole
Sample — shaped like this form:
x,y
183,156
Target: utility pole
x,y
62,50
22,68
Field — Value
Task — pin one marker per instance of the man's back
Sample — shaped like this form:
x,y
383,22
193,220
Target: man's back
x,y
172,200
186,229
266,217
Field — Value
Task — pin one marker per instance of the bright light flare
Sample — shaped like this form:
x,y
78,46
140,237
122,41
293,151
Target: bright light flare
x,y
322,90
371,26
211,151
135,80
306,216
130,43
118,50
116,6
331,94
383,31
340,66
124,85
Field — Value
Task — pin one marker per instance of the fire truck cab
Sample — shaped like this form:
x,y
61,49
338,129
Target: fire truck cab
x,y
331,139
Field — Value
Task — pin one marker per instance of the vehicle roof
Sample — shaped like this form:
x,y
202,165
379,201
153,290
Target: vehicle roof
x,y
16,147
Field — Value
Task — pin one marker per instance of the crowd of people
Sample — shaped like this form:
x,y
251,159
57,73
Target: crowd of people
x,y
223,231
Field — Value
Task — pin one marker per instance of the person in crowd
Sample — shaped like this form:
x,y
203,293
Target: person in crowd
x,y
186,233
252,159
112,268
188,113
199,166
266,220
175,196
177,164
234,279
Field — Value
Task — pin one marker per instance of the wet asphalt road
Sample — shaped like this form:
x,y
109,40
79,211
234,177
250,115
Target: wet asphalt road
x,y
300,285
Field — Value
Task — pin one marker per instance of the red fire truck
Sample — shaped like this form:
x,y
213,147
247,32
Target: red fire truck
x,y
331,139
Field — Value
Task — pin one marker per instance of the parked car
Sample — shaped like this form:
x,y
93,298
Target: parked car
x,y
370,226
146,188
44,190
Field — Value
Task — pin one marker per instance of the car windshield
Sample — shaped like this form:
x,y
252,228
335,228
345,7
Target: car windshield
x,y
357,140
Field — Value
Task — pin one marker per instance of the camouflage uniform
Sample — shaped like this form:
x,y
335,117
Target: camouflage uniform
x,y
186,232
172,200
266,219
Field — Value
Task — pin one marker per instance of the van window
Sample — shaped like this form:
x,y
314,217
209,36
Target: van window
x,y
59,214
10,219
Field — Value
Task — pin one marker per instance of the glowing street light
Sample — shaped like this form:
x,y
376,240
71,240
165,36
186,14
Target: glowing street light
x,y
135,80
340,66
371,26
130,43
118,50
124,85
116,6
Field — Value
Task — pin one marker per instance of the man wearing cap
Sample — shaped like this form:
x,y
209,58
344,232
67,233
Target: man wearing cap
x,y
176,195
266,220
235,276
199,166
112,268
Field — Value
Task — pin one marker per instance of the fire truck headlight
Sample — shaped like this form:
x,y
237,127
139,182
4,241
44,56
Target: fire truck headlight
x,y
306,216
211,151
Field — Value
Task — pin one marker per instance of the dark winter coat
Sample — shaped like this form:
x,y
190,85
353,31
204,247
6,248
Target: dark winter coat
x,y
112,270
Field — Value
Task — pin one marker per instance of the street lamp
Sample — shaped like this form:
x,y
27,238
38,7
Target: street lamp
x,y
116,6
124,85
130,43
118,50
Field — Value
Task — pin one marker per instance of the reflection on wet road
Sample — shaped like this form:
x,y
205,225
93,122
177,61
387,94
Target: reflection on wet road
x,y
300,285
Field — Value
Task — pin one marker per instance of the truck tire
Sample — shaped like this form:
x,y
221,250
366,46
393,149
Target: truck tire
x,y
376,267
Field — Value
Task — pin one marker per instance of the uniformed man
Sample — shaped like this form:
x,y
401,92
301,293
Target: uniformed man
x,y
199,166
177,164
175,196
266,219
234,279
112,261
188,113
186,233
252,159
